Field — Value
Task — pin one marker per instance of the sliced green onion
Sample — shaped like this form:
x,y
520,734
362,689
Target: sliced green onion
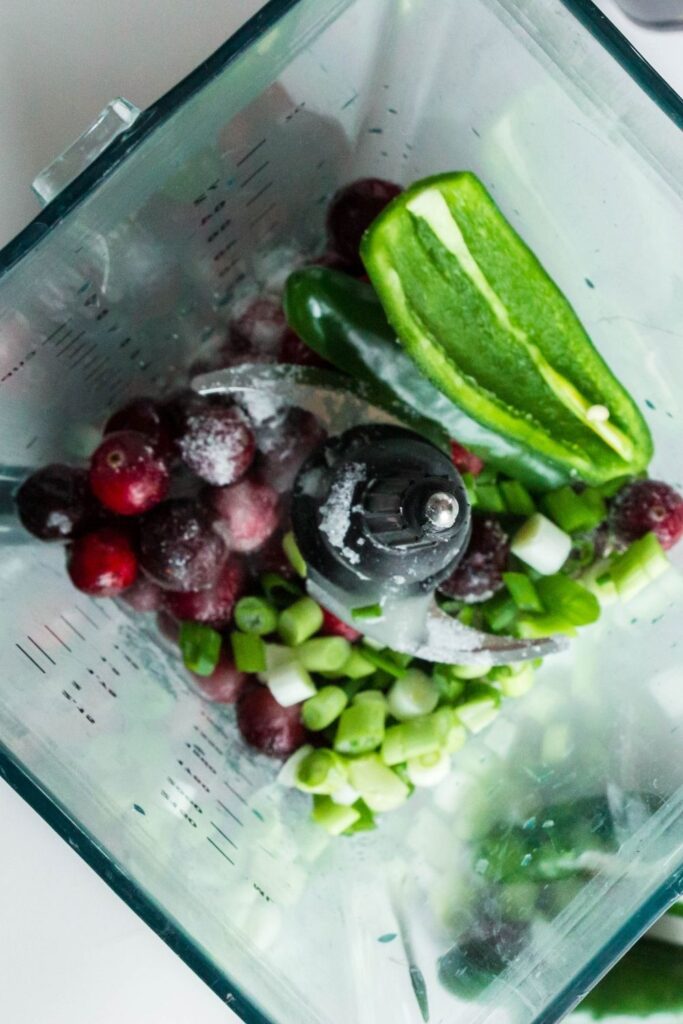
x,y
575,513
324,653
278,590
412,695
642,562
475,670
346,795
289,682
581,556
255,615
541,544
518,501
513,680
367,611
598,580
566,597
533,627
383,660
612,487
487,475
360,728
321,771
380,788
449,685
365,823
452,733
470,487
249,652
480,708
300,621
323,708
334,818
489,498
411,739
357,666
466,615
429,769
500,613
200,647
374,696
294,556
522,591
287,774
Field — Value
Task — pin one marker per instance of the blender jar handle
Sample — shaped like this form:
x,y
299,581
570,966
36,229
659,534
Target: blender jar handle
x,y
116,118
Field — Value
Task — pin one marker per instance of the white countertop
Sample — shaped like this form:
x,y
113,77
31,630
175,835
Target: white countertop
x,y
71,952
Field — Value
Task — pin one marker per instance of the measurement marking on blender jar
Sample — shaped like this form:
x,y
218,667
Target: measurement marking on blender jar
x,y
235,793
44,653
195,778
208,740
222,853
250,153
87,351
231,813
349,102
71,626
32,660
54,333
31,443
184,794
258,194
216,726
73,341
228,267
226,837
199,754
57,638
87,617
178,808
254,173
264,213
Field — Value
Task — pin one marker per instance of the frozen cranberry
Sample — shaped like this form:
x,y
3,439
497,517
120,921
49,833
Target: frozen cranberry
x,y
102,563
646,506
127,474
264,724
143,596
479,574
296,352
352,211
259,329
179,550
332,626
247,514
285,445
55,503
332,261
213,606
226,684
464,460
179,407
218,444
272,558
147,417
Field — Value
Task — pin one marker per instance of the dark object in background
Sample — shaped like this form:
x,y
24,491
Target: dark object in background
x,y
647,980
660,12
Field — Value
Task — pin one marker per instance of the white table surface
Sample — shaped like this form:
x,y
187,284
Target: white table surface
x,y
70,951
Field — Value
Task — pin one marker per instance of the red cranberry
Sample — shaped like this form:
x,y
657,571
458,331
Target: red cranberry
x,y
352,211
464,460
226,684
264,724
102,563
217,444
332,261
213,606
259,329
55,503
143,596
248,514
285,445
296,352
479,574
332,626
179,550
177,409
127,474
272,558
646,506
147,417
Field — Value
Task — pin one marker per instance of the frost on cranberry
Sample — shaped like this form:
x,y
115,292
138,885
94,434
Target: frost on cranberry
x,y
127,474
226,684
646,506
264,724
214,605
479,574
296,352
147,417
55,503
284,445
179,407
102,563
247,514
260,329
352,211
143,596
179,550
217,444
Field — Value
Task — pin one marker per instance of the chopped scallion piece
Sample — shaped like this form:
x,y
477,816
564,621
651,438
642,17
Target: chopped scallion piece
x,y
563,596
324,653
518,501
300,621
249,652
294,556
412,695
334,818
323,708
200,647
360,728
321,771
642,562
278,590
255,615
367,611
522,591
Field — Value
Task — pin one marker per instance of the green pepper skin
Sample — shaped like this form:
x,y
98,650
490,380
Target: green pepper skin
x,y
478,314
342,320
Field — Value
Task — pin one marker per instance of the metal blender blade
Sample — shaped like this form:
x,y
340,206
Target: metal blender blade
x,y
413,625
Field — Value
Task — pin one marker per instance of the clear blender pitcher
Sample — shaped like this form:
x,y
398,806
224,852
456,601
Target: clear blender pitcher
x,y
124,280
